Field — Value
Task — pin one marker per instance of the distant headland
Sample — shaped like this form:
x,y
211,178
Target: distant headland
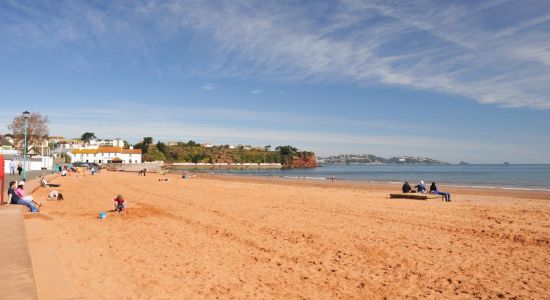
x,y
373,159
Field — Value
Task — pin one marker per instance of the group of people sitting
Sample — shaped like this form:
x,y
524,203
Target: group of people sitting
x,y
421,188
17,195
65,170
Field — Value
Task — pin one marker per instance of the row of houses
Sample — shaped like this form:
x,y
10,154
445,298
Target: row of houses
x,y
95,151
102,155
98,151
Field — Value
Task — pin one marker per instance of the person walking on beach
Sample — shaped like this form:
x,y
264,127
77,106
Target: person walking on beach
x,y
433,190
12,167
19,168
14,198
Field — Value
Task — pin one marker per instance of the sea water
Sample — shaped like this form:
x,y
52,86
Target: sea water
x,y
528,177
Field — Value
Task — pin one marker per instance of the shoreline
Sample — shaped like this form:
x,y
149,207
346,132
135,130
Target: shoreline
x,y
380,182
386,187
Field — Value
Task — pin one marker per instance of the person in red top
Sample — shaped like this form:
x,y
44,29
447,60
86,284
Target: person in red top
x,y
119,203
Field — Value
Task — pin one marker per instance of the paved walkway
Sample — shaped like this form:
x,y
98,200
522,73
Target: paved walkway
x,y
15,261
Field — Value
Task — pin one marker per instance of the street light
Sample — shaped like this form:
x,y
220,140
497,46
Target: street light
x,y
26,115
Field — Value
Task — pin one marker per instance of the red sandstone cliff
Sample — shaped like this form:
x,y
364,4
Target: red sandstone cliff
x,y
308,161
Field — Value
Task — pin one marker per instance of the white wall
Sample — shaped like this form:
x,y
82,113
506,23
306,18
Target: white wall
x,y
34,164
105,157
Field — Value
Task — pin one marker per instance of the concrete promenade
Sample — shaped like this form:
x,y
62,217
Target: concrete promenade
x,y
15,262
24,250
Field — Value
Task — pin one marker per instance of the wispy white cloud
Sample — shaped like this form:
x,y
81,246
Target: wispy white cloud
x,y
424,45
209,86
256,91
493,52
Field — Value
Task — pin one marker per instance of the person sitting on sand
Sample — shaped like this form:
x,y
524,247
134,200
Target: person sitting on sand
x,y
421,187
21,192
406,187
433,190
14,198
119,203
55,195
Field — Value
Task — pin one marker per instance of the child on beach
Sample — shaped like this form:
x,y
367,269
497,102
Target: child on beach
x,y
55,195
119,203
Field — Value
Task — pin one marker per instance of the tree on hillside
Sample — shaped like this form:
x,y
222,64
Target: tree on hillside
x,y
87,137
286,150
148,140
153,154
267,148
144,145
192,143
37,130
163,148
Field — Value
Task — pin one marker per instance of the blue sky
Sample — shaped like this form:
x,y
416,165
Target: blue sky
x,y
456,80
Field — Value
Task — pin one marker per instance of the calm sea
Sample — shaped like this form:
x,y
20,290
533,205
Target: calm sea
x,y
536,177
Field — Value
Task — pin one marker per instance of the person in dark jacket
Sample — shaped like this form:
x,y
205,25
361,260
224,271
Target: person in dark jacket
x,y
406,187
433,190
14,198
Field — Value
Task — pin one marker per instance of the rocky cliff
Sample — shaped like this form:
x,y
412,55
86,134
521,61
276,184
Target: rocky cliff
x,y
305,161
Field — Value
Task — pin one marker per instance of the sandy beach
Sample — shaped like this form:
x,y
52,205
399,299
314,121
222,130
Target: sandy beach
x,y
242,237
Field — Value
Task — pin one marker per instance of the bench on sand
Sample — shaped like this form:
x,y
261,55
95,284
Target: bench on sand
x,y
415,196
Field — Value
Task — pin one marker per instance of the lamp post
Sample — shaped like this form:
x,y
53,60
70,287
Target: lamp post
x,y
26,115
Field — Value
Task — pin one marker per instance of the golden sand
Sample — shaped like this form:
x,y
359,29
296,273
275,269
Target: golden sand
x,y
236,237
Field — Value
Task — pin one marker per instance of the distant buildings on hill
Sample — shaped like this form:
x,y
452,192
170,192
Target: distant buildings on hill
x,y
373,159
64,145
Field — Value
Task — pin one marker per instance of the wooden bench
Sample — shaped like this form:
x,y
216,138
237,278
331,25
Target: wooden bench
x,y
416,196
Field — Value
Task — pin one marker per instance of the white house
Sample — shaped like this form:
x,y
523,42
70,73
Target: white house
x,y
95,143
106,155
